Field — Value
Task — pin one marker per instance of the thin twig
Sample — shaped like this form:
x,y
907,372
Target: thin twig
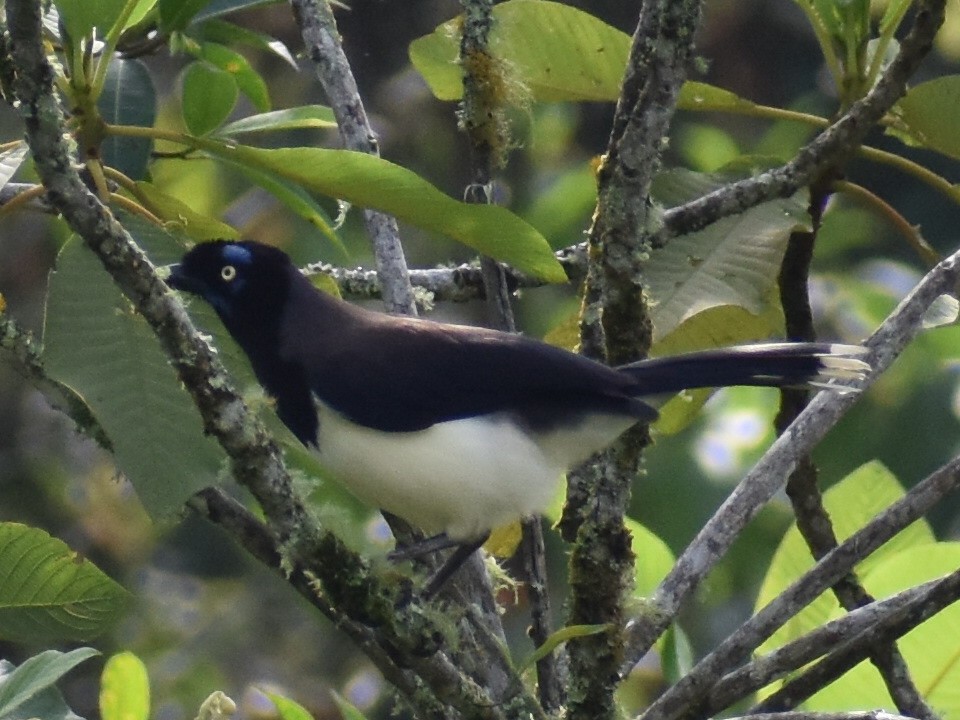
x,y
938,595
856,631
712,542
841,138
694,687
319,30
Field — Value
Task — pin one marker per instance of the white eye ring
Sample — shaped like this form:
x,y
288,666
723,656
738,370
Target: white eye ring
x,y
228,273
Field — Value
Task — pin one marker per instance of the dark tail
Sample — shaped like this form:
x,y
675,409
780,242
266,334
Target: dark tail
x,y
769,364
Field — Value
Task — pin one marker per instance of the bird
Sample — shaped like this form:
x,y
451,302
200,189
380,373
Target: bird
x,y
456,429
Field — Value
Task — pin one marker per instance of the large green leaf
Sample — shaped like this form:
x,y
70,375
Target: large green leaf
x,y
95,344
927,115
48,593
372,182
852,503
553,51
209,96
128,98
734,261
930,649
35,677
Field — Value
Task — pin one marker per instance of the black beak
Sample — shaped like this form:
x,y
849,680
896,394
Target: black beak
x,y
178,280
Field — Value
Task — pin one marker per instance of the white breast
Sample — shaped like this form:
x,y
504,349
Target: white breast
x,y
462,477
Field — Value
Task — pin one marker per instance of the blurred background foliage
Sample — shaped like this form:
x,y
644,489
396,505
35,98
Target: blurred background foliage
x,y
206,617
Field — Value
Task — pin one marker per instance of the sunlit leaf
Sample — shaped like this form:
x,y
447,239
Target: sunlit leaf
x,y
49,593
703,96
654,559
930,650
124,689
927,114
734,261
193,224
372,182
553,51
851,503
288,709
297,118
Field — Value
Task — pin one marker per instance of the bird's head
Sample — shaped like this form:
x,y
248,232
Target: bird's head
x,y
241,280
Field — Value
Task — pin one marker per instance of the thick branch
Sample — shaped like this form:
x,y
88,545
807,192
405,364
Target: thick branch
x,y
344,578
615,324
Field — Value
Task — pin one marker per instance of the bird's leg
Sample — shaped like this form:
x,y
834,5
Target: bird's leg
x,y
419,548
451,565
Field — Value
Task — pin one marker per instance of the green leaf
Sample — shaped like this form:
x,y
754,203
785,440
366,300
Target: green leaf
x,y
563,209
852,503
930,650
554,51
124,689
735,261
11,160
209,96
177,14
372,182
226,33
47,703
79,17
185,220
96,345
217,8
892,15
295,198
654,558
247,79
926,116
37,674
288,709
705,97
49,593
128,98
140,12
348,710
297,118
561,636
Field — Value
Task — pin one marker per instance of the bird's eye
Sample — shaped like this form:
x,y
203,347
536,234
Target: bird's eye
x,y
228,273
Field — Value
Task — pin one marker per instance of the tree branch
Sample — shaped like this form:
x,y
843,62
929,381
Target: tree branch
x,y
828,149
695,686
320,36
855,633
343,578
615,325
